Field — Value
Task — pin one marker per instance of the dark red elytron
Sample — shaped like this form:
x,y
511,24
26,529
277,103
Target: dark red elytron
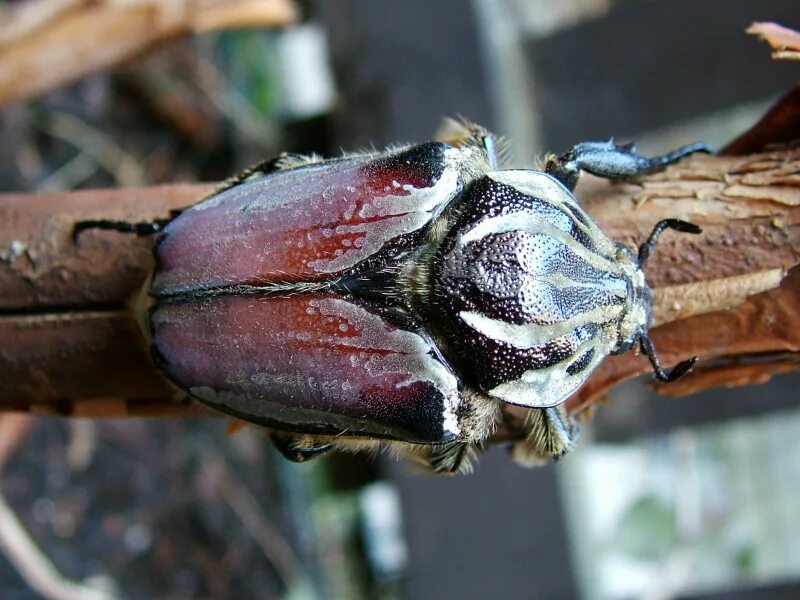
x,y
256,313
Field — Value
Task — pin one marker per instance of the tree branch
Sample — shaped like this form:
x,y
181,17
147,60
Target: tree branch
x,y
70,345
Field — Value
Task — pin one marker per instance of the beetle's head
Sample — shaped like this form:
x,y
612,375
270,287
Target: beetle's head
x,y
532,294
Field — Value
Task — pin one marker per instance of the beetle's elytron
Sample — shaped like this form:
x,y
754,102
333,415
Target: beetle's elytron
x,y
401,297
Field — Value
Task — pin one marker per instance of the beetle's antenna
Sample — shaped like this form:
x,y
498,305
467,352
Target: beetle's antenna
x,y
646,249
678,371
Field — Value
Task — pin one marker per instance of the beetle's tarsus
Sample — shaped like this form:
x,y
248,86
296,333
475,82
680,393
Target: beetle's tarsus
x,y
297,448
681,369
659,162
612,161
684,226
551,435
283,162
454,457
678,371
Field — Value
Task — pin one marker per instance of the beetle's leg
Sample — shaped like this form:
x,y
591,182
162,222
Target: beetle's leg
x,y
645,343
608,160
453,457
646,249
283,162
678,371
479,417
551,434
299,448
142,228
461,133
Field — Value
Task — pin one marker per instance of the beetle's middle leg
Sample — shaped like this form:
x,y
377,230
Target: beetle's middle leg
x,y
460,133
452,457
611,161
551,433
299,448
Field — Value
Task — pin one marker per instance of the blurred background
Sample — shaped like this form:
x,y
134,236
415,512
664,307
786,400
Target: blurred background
x,y
691,498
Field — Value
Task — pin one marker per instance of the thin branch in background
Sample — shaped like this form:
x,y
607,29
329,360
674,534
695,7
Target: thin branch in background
x,y
273,545
236,106
23,20
44,44
785,42
34,567
16,544
103,150
82,443
13,429
69,175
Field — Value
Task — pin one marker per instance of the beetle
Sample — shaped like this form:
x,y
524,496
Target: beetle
x,y
399,298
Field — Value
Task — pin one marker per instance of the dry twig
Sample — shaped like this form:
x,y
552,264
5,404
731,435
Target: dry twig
x,y
18,546
785,42
45,44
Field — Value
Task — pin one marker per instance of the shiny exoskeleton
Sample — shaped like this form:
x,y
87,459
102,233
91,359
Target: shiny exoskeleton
x,y
401,297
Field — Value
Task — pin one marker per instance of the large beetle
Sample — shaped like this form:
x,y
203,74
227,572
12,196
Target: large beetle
x,y
399,298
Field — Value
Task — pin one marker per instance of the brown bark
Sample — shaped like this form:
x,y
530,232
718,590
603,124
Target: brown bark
x,y
70,345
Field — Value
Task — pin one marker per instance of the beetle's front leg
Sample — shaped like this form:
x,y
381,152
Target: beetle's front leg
x,y
141,228
610,161
551,433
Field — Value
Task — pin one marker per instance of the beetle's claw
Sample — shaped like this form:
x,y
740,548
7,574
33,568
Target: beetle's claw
x,y
646,249
678,371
